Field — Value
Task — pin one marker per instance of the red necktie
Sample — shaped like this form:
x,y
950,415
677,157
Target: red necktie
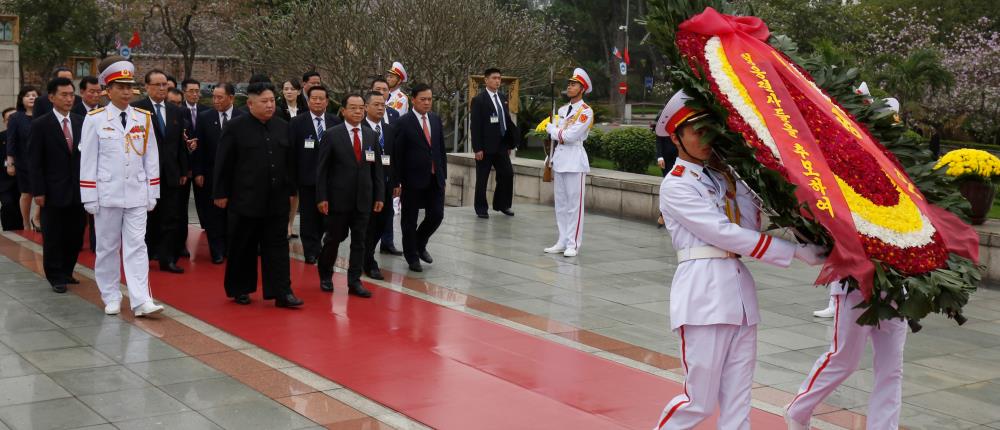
x,y
357,145
66,133
427,135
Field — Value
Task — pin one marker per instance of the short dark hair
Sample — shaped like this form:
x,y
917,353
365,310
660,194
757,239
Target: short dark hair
x,y
176,91
490,71
419,88
309,74
88,80
153,72
320,87
171,78
370,94
60,69
6,111
259,78
228,87
55,83
348,96
20,96
378,79
258,88
187,81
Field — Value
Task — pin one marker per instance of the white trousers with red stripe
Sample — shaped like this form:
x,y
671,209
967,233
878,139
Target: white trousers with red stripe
x,y
718,361
846,349
122,229
568,188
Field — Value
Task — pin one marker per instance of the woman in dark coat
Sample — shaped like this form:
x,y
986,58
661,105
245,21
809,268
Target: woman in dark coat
x,y
10,213
18,138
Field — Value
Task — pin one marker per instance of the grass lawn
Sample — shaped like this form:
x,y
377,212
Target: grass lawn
x,y
995,210
597,162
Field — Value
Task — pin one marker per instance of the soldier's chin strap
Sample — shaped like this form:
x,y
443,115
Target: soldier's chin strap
x,y
689,154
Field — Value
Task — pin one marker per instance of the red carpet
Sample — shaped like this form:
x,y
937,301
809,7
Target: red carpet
x,y
442,367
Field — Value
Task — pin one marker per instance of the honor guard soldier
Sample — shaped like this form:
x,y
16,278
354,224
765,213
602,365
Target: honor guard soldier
x,y
570,164
713,220
848,345
119,184
397,99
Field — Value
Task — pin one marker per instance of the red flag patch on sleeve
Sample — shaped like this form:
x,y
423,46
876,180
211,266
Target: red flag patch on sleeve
x,y
678,170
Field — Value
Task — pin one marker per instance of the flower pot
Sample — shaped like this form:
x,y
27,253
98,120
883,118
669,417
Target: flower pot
x,y
980,195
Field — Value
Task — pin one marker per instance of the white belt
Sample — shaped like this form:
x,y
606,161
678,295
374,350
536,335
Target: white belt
x,y
702,252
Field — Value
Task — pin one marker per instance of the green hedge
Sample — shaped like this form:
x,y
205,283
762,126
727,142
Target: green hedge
x,y
630,148
594,144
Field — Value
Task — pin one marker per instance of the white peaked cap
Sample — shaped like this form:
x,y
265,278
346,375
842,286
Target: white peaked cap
x,y
398,70
675,114
581,76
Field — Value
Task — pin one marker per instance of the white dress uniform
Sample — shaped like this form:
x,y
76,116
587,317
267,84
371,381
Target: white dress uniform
x,y
119,171
397,99
570,167
846,349
713,301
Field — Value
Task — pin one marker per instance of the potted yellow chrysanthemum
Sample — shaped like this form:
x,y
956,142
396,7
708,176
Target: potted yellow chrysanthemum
x,y
975,171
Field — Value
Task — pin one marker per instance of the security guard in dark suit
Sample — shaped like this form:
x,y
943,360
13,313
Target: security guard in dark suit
x,y
350,186
493,135
376,121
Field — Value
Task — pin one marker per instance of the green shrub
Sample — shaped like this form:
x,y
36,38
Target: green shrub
x,y
631,148
593,144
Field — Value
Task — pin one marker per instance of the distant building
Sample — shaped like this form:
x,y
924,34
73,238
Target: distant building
x,y
10,70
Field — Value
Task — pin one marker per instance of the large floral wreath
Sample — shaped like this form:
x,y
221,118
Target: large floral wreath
x,y
819,170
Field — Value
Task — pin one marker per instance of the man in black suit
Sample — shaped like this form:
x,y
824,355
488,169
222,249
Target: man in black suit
x,y
307,132
388,246
349,187
10,214
90,99
375,120
210,126
191,94
55,182
42,104
254,179
493,134
421,167
379,85
164,238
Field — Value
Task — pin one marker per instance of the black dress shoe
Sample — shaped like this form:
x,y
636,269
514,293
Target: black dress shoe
x,y
416,267
288,301
218,260
483,216
426,257
391,250
172,268
507,212
73,281
358,290
326,285
374,274
242,299
310,259
59,288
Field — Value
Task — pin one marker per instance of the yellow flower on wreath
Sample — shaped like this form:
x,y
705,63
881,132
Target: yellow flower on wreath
x,y
968,161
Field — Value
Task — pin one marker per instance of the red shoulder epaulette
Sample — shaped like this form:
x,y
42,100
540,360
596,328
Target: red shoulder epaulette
x,y
678,170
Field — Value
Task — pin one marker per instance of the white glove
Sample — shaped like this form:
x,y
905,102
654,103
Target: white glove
x,y
91,207
551,129
150,204
810,254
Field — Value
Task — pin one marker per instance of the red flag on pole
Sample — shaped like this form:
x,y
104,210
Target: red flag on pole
x,y
135,42
628,62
